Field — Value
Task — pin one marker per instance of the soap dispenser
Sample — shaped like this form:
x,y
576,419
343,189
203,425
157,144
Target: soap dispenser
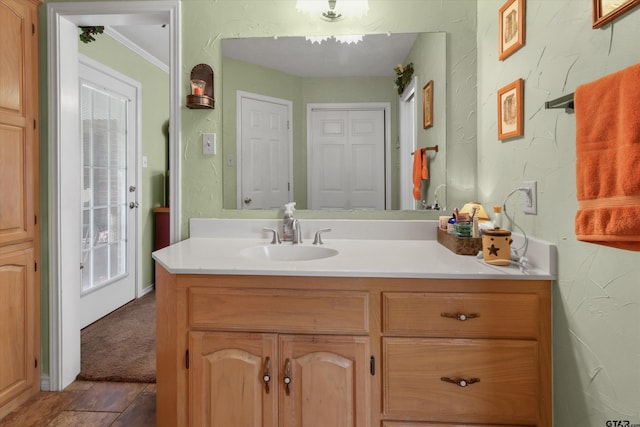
x,y
287,225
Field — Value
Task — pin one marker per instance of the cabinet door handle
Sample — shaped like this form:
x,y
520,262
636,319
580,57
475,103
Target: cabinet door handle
x,y
287,376
460,316
461,381
267,374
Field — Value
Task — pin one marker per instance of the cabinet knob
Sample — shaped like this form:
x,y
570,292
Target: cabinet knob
x,y
267,374
287,376
460,316
461,381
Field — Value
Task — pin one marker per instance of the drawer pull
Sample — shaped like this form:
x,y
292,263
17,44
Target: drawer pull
x,y
267,374
287,376
460,316
461,382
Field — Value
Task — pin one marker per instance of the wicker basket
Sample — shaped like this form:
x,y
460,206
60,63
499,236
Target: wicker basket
x,y
460,245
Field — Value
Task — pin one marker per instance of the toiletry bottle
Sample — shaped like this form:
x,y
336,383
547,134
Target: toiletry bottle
x,y
451,226
497,216
475,229
287,223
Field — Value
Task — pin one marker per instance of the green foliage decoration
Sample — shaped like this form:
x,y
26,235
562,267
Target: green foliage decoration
x,y
404,74
87,33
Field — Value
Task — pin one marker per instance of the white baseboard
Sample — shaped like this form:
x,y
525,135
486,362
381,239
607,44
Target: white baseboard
x,y
45,384
146,290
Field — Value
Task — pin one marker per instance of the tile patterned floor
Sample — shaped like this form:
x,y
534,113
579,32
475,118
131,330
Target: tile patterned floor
x,y
89,404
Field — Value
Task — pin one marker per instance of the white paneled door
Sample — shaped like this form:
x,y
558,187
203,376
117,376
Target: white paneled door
x,y
347,159
264,149
108,193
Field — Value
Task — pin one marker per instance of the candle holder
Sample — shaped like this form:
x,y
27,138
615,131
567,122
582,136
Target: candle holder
x,y
201,96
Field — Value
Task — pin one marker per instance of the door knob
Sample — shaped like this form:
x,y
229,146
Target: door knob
x,y
247,200
133,205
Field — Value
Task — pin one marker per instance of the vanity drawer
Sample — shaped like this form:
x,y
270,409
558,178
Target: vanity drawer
x,y
506,393
417,424
273,310
469,315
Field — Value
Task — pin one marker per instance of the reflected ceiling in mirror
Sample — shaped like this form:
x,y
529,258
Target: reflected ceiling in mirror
x,y
302,72
375,56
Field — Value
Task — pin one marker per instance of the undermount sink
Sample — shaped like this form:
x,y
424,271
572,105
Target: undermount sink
x,y
289,252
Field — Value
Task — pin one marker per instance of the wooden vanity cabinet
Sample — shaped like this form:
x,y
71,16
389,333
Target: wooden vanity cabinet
x,y
262,357
359,352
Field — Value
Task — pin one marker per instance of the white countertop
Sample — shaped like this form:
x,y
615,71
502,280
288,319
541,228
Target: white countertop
x,y
375,256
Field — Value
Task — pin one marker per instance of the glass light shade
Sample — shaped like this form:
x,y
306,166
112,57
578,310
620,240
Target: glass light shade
x,y
355,39
317,39
341,8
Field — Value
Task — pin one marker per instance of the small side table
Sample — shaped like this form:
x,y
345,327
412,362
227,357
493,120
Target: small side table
x,y
162,239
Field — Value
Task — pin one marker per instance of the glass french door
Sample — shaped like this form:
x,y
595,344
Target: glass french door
x,y
108,196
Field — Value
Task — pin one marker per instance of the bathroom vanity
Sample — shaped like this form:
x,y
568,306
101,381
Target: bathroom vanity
x,y
388,332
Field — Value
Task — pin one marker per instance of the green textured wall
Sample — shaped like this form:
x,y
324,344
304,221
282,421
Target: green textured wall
x,y
596,299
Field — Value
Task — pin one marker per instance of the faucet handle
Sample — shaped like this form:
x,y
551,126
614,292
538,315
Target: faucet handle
x,y
276,236
318,239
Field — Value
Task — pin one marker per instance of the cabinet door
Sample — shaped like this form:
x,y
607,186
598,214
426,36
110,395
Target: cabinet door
x,y
227,380
17,135
17,325
329,381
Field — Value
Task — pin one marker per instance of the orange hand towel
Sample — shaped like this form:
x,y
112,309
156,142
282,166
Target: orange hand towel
x,y
608,159
420,171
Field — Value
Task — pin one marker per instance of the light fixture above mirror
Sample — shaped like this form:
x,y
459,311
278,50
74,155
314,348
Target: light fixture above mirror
x,y
346,39
334,10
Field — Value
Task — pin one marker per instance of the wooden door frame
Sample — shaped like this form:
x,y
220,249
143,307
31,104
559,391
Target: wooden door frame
x,y
284,102
372,106
62,22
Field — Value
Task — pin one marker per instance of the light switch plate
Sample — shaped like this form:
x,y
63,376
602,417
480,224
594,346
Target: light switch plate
x,y
209,144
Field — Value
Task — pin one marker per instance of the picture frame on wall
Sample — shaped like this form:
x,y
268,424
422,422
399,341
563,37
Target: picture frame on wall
x,y
427,105
511,110
511,28
605,11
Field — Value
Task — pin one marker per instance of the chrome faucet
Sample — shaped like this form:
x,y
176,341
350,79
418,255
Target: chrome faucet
x,y
296,229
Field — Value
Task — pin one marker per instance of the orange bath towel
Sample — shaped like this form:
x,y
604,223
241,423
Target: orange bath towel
x,y
608,160
420,171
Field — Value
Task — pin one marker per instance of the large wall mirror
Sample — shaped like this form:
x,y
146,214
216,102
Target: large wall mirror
x,y
323,124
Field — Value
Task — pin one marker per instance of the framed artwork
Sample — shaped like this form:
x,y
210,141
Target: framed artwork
x,y
511,23
510,110
605,11
427,105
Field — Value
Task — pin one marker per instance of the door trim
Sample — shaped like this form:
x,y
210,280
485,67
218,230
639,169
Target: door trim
x,y
384,106
239,96
407,129
62,22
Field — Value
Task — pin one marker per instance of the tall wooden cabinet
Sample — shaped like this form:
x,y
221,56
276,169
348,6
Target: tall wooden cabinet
x,y
19,196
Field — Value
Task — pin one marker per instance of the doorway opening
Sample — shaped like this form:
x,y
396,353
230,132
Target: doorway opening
x,y
65,163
